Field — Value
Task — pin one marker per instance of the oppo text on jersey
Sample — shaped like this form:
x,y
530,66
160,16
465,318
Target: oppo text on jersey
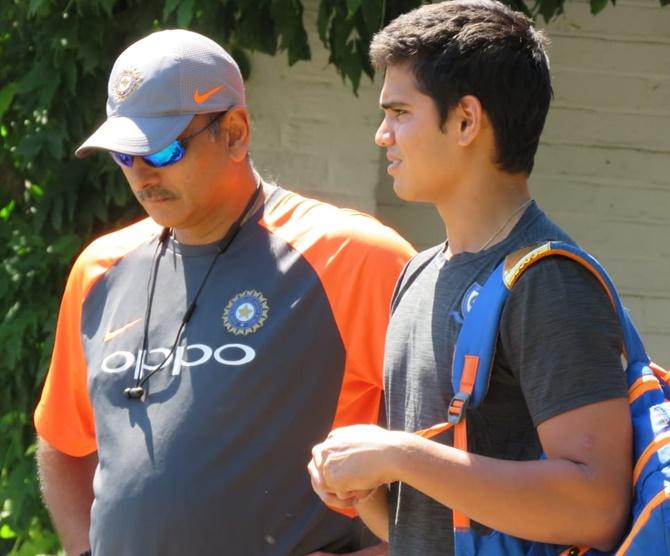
x,y
187,356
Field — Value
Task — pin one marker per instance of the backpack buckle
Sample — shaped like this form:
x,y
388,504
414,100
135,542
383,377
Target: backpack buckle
x,y
457,406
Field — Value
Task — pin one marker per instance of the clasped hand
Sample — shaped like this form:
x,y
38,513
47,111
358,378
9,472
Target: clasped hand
x,y
351,463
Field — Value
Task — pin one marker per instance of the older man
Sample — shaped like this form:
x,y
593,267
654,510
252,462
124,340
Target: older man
x,y
201,352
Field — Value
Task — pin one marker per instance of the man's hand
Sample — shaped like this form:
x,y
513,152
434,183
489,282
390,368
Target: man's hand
x,y
352,462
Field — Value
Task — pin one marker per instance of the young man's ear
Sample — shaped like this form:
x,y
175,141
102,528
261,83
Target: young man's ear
x,y
468,114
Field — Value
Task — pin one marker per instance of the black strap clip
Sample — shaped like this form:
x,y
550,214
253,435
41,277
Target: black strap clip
x,y
457,406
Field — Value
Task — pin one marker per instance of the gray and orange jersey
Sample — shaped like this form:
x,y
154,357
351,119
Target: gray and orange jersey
x,y
286,343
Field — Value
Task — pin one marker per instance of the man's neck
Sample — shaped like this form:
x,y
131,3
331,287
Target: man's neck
x,y
215,228
483,211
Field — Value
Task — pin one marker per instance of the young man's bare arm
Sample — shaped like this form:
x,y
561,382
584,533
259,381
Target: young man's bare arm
x,y
578,495
67,488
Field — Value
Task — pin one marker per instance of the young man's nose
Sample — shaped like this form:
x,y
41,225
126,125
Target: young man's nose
x,y
384,135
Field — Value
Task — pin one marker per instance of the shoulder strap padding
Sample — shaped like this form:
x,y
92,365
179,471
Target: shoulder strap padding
x,y
479,333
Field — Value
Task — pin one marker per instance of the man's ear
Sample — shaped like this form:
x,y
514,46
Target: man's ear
x,y
468,115
237,133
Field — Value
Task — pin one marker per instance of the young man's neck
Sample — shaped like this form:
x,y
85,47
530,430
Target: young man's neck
x,y
483,211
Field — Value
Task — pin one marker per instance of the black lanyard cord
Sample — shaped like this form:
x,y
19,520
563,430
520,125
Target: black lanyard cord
x,y
137,391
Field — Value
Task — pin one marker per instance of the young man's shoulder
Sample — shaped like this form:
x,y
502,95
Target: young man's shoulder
x,y
419,261
535,226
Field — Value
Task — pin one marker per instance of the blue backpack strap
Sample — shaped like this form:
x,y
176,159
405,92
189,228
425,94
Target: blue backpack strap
x,y
479,333
473,361
649,395
476,345
632,343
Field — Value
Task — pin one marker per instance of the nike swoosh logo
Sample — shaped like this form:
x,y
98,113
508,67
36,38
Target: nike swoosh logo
x,y
199,97
114,333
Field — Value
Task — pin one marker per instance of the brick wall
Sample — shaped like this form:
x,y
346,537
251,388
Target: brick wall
x,y
309,131
602,172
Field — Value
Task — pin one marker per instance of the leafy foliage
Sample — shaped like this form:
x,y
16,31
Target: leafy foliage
x,y
55,56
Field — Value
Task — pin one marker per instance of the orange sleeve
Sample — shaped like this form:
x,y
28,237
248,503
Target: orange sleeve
x,y
359,288
358,261
64,415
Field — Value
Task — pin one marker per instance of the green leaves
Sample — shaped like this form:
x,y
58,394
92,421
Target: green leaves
x,y
548,9
352,6
53,74
346,30
7,210
287,15
6,96
598,6
6,532
256,27
64,248
373,14
542,6
169,8
36,6
185,13
324,16
242,60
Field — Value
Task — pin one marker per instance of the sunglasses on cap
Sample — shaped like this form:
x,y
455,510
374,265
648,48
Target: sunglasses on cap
x,y
171,154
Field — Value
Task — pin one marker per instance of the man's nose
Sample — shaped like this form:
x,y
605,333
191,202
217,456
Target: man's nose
x,y
384,135
141,175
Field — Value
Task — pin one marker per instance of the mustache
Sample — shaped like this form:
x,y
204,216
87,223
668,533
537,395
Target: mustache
x,y
155,193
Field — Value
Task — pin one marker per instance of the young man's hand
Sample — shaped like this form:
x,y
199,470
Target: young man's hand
x,y
352,462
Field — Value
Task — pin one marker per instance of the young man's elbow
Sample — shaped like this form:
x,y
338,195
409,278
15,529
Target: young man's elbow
x,y
609,527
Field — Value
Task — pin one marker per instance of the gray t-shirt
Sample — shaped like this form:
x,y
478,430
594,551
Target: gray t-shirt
x,y
558,349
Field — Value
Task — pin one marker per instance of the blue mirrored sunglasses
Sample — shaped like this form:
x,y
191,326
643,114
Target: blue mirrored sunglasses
x,y
171,154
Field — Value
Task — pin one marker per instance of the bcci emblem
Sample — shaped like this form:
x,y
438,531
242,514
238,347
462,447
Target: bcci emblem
x,y
466,303
245,313
469,298
125,84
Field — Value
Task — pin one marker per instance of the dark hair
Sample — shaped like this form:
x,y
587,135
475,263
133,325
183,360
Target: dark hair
x,y
480,48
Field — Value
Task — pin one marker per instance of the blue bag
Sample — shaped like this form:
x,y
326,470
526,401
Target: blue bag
x,y
648,532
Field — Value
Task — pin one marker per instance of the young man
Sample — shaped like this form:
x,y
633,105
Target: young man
x,y
200,353
465,96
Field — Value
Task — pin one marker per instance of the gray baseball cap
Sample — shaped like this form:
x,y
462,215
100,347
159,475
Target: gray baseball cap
x,y
156,87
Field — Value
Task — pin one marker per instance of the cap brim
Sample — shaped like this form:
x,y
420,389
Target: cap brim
x,y
137,136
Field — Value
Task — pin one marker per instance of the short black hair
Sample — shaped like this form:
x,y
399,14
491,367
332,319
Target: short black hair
x,y
480,48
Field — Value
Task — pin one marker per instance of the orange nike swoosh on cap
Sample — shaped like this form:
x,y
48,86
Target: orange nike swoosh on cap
x,y
199,97
114,333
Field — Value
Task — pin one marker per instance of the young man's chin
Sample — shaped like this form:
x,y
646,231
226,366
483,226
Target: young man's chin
x,y
404,191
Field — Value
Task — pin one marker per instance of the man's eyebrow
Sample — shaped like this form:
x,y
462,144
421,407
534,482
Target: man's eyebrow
x,y
393,105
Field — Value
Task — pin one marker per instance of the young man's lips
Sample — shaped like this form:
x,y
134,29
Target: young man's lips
x,y
393,164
